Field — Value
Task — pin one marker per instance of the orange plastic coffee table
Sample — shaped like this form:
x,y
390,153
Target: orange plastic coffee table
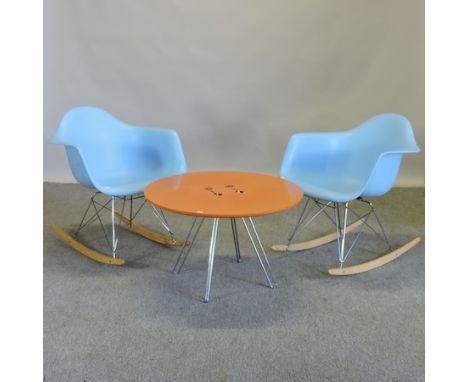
x,y
224,194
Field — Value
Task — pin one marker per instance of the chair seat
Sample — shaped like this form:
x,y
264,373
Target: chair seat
x,y
341,166
331,187
126,184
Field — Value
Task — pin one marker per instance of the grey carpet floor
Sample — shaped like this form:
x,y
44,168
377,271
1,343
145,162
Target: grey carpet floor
x,y
140,322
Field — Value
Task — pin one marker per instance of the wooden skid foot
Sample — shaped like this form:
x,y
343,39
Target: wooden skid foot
x,y
315,242
150,235
84,250
378,262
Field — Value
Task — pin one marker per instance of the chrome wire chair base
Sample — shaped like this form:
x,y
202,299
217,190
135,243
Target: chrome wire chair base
x,y
254,239
92,254
98,208
341,229
94,211
339,218
304,220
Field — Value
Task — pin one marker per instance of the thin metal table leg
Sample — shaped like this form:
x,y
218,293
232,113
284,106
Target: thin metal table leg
x,y
178,265
299,221
191,244
270,283
158,212
214,233
236,239
183,247
263,250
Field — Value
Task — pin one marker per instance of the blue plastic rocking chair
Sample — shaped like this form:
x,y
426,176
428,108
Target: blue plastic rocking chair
x,y
336,168
117,160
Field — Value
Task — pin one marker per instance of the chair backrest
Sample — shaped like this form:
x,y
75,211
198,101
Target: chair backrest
x,y
380,143
99,146
368,155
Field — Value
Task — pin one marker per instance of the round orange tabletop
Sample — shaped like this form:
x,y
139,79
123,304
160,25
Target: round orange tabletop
x,y
224,194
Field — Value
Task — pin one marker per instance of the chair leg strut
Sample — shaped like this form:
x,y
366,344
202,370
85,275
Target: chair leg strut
x,y
115,239
338,228
303,223
343,235
92,218
381,227
102,225
75,234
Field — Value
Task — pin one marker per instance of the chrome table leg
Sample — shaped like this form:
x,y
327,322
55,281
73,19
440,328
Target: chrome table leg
x,y
187,245
214,233
236,239
269,278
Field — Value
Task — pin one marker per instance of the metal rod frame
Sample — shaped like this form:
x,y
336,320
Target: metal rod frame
x,y
209,273
253,236
236,239
158,212
343,252
271,283
101,206
188,244
301,222
187,247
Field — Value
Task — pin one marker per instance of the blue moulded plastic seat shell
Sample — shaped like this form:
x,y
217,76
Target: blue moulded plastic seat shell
x,y
116,158
342,166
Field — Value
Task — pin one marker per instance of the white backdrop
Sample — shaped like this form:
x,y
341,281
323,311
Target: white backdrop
x,y
235,78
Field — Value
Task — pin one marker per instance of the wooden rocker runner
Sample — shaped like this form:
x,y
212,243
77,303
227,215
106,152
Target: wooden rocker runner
x,y
117,160
378,262
340,237
98,207
84,250
337,168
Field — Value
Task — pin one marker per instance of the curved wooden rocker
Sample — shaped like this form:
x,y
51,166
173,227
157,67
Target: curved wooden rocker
x,y
148,234
375,263
105,259
302,246
352,269
84,250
